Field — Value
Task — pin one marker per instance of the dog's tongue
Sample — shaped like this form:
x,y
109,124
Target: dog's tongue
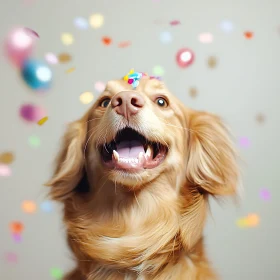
x,y
129,149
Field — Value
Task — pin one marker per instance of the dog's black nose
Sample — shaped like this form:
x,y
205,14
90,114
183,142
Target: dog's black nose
x,y
127,103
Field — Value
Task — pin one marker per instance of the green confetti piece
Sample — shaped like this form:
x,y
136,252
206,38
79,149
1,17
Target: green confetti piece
x,y
158,71
56,273
34,141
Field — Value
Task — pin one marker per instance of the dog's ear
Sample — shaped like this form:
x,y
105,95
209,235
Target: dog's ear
x,y
69,168
212,160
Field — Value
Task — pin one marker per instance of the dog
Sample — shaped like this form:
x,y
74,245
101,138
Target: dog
x,y
135,174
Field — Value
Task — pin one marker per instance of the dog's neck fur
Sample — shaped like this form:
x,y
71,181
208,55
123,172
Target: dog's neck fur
x,y
160,241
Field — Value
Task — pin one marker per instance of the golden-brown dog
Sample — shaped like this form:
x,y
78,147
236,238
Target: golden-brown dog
x,y
135,174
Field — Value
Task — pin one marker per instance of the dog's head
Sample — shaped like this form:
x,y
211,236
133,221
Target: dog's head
x,y
135,137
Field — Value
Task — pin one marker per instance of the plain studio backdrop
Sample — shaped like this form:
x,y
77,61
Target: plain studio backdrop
x,y
242,86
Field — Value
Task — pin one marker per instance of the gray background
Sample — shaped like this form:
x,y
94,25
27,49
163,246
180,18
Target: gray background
x,y
244,83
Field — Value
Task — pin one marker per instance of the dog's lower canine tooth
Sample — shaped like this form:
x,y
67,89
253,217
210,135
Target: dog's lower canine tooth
x,y
149,152
116,155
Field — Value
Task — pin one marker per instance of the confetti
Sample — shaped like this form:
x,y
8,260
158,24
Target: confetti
x,y
96,20
193,92
56,273
16,227
81,23
7,158
28,206
34,141
106,41
252,220
17,237
70,70
158,71
42,121
51,58
86,97
205,38
265,194
67,39
31,113
260,118
165,37
175,22
185,57
47,206
248,35
212,62
99,86
11,257
226,26
244,142
124,44
5,170
64,57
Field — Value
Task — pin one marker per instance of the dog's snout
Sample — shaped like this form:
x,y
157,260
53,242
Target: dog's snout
x,y
127,103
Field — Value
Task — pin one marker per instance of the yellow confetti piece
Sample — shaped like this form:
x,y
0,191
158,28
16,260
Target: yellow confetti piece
x,y
6,158
70,70
86,97
131,71
212,62
253,220
28,206
125,78
242,223
96,20
42,121
193,92
67,39
64,57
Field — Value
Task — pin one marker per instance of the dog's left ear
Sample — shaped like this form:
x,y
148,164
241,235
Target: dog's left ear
x,y
212,160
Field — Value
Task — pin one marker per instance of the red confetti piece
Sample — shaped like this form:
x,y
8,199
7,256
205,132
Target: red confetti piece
x,y
106,41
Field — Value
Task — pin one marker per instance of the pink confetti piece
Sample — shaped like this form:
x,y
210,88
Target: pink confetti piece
x,y
99,86
175,22
5,170
205,38
11,257
17,237
265,194
244,142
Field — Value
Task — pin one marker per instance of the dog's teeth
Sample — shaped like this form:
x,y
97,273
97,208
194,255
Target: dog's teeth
x,y
116,155
141,158
148,153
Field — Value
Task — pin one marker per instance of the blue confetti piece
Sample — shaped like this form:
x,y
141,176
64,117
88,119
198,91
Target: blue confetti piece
x,y
47,206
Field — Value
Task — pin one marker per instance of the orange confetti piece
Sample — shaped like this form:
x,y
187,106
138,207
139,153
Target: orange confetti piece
x,y
248,35
106,41
28,206
7,158
43,120
16,227
70,70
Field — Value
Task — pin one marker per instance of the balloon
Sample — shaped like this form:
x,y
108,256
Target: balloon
x,y
36,74
19,44
185,57
32,113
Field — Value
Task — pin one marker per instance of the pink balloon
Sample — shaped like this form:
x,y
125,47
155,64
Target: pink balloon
x,y
19,44
185,57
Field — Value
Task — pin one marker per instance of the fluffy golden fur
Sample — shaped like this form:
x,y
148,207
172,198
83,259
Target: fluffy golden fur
x,y
146,225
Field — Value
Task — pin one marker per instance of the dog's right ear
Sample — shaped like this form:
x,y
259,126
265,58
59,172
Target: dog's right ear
x,y
69,168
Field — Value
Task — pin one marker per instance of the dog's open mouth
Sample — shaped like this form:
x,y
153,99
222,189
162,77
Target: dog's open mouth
x,y
132,151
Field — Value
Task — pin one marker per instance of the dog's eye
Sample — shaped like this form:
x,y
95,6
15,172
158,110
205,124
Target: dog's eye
x,y
105,102
161,102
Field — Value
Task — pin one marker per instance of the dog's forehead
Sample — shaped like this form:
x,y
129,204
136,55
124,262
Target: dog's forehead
x,y
146,85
